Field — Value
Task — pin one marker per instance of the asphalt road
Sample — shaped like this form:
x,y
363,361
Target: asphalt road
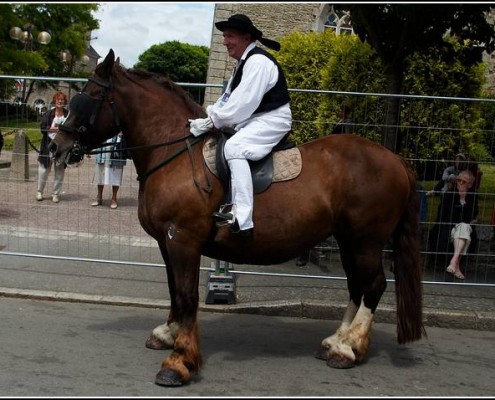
x,y
73,349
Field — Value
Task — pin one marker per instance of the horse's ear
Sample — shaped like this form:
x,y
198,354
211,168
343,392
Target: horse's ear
x,y
107,64
117,60
110,56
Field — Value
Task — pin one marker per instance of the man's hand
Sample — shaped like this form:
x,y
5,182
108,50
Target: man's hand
x,y
200,126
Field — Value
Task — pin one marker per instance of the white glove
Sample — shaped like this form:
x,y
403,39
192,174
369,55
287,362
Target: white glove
x,y
200,125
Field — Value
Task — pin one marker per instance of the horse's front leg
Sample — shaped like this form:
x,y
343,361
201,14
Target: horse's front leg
x,y
163,336
181,330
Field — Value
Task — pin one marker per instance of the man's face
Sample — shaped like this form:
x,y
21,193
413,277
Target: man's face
x,y
236,42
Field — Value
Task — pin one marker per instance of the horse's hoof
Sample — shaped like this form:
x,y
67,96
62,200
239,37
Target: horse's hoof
x,y
155,344
340,362
168,377
321,353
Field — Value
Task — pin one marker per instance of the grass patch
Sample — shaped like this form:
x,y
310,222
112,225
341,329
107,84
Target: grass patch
x,y
32,130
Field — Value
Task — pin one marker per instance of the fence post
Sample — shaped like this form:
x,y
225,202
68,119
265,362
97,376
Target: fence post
x,y
19,168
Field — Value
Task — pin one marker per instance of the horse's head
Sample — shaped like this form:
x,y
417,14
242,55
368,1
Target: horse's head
x,y
92,117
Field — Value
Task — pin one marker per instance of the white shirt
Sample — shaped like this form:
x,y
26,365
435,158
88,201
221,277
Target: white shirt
x,y
259,75
57,120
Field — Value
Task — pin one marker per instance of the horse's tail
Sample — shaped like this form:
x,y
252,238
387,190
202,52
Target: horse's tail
x,y
407,269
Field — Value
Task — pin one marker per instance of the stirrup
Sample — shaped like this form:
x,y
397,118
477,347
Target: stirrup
x,y
228,208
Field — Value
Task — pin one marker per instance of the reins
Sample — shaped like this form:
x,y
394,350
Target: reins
x,y
146,146
144,175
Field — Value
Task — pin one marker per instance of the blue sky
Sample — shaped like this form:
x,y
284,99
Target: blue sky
x,y
131,28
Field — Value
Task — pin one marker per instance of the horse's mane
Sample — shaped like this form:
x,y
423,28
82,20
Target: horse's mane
x,y
167,84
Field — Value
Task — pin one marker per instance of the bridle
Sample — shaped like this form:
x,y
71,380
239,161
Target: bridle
x,y
87,109
85,105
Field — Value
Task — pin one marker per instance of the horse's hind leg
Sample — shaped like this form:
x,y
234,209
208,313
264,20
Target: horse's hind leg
x,y
366,283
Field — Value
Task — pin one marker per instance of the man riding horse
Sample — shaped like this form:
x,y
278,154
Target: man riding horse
x,y
256,104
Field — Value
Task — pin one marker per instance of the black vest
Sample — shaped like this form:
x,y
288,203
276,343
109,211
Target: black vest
x,y
277,96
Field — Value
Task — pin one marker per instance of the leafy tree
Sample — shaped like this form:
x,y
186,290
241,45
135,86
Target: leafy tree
x,y
303,57
430,74
181,62
69,26
352,67
397,31
326,61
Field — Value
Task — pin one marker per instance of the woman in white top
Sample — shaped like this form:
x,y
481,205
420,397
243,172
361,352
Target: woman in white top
x,y
49,127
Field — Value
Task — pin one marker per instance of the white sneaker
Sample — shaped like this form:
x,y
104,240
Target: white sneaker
x,y
39,196
55,198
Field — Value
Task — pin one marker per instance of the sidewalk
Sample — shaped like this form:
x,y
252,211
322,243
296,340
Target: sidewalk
x,y
70,231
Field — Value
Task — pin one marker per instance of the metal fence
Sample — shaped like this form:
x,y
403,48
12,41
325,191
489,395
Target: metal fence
x,y
73,230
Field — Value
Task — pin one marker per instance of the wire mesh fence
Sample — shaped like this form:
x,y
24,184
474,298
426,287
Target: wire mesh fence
x,y
429,128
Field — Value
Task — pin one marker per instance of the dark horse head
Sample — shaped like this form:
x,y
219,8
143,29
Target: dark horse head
x,y
107,105
84,109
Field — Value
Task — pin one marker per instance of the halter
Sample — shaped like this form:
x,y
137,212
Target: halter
x,y
84,104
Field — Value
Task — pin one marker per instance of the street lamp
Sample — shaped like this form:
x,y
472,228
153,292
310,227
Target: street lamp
x,y
66,58
26,36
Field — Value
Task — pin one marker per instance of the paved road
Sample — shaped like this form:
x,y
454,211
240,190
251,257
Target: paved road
x,y
72,349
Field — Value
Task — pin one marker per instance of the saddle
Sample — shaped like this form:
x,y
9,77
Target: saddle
x,y
283,163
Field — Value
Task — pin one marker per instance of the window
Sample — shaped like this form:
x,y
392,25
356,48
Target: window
x,y
340,24
39,105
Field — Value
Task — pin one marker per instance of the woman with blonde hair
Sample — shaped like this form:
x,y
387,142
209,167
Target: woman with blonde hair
x,y
461,208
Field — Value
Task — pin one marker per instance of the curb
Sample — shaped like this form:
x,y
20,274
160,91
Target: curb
x,y
484,321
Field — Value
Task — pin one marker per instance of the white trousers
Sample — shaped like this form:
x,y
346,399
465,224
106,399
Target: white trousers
x,y
252,141
242,192
58,179
462,231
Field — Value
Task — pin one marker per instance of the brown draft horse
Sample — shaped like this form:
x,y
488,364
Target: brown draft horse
x,y
349,187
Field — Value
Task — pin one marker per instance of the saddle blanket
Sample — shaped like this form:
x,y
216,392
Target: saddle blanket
x,y
287,164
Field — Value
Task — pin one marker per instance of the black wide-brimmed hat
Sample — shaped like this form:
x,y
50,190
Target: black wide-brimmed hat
x,y
242,23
